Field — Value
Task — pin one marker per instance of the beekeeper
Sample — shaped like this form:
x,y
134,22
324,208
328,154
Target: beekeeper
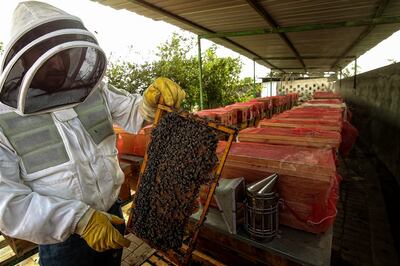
x,y
59,173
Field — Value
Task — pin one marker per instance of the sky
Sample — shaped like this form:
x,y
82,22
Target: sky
x,y
125,35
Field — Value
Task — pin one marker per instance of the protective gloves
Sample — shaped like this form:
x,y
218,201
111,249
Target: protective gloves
x,y
96,229
172,93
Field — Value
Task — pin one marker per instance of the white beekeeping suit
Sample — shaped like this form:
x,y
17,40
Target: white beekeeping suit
x,y
57,147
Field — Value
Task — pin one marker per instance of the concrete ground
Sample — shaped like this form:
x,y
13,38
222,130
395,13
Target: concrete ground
x,y
362,231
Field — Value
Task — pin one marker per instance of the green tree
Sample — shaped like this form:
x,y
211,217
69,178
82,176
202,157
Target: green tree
x,y
1,48
130,76
247,91
221,78
176,60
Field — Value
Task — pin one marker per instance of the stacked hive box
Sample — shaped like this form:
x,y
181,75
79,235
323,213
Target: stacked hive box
x,y
308,181
221,115
133,144
305,141
267,105
317,124
248,114
326,95
292,136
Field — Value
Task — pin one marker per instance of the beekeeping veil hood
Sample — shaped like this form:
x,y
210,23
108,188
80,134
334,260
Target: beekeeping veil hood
x,y
52,62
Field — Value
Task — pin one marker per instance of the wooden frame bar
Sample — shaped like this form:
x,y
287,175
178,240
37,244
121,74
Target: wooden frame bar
x,y
232,132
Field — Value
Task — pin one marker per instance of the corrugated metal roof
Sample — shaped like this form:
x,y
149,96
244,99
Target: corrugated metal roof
x,y
215,16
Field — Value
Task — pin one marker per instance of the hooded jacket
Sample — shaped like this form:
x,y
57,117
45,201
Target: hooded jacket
x,y
61,160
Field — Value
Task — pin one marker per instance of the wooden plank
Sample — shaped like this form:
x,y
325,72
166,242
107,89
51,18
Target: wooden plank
x,y
203,258
238,253
124,263
3,242
19,246
163,257
292,143
244,136
126,252
5,254
291,123
134,239
31,261
157,261
140,255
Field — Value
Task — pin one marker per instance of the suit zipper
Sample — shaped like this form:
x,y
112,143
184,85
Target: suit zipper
x,y
91,168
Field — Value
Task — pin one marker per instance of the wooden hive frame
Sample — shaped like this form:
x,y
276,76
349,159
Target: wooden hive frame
x,y
185,257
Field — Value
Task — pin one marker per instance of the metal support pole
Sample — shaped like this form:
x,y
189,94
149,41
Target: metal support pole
x,y
355,75
254,77
200,71
270,83
340,79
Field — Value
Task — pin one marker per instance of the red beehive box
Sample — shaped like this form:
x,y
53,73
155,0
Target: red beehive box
x,y
326,95
308,182
243,113
261,107
221,115
135,144
292,136
294,123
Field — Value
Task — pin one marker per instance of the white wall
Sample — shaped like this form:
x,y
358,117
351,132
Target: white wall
x,y
305,87
266,88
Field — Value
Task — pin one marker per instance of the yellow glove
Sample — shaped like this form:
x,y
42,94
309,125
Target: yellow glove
x,y
97,230
172,93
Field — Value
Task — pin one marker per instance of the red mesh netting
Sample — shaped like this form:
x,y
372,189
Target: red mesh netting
x,y
316,111
337,116
349,137
326,95
307,179
225,116
266,100
349,115
292,136
134,144
293,123
328,101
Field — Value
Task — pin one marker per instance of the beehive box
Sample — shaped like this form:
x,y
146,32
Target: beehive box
x,y
307,183
292,136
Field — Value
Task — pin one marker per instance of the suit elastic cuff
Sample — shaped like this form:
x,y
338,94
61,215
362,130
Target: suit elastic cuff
x,y
80,227
146,111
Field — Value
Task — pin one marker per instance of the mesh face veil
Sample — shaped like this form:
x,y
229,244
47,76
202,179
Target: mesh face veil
x,y
52,62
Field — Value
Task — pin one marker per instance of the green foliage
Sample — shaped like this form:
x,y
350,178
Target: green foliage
x,y
1,48
246,90
176,60
176,63
220,78
130,76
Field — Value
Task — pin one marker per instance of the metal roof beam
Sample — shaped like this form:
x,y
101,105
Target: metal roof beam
x,y
195,25
270,20
308,27
381,7
309,68
304,57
